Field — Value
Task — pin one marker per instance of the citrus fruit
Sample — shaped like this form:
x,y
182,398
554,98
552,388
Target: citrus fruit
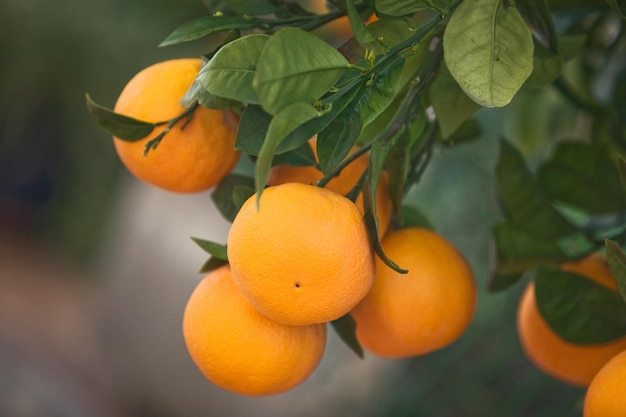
x,y
572,363
341,184
424,310
192,156
304,257
240,350
605,395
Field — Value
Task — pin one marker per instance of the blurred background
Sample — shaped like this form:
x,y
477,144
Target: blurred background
x,y
96,268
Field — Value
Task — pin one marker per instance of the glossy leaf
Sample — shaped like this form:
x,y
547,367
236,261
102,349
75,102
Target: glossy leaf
x,y
216,250
361,32
578,309
537,15
252,129
198,93
205,26
283,123
120,126
451,104
489,51
585,176
228,194
547,67
399,7
211,264
379,94
345,327
296,66
230,71
299,157
617,262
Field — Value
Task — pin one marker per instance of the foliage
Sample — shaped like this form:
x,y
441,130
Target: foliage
x,y
410,83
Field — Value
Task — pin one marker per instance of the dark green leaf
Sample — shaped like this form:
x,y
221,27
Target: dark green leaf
x,y
252,129
296,66
299,157
216,250
224,195
537,15
379,94
120,126
205,26
378,156
338,138
413,217
547,67
361,32
524,200
469,131
230,71
212,264
451,104
252,8
345,327
489,51
584,175
578,309
283,123
617,262
399,7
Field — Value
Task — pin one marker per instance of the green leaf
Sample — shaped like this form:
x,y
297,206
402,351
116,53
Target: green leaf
x,y
617,262
451,104
296,66
252,129
378,156
525,201
379,94
489,51
197,92
413,217
345,327
216,250
228,193
547,67
537,15
120,126
361,32
252,8
300,157
283,123
230,71
211,264
584,175
205,26
578,309
399,7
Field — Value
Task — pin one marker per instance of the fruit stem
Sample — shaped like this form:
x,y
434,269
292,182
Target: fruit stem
x,y
188,114
337,170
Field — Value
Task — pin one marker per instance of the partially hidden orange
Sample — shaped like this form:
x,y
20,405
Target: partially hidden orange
x,y
241,350
194,155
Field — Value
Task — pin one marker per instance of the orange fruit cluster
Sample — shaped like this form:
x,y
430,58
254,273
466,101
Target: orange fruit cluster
x,y
300,256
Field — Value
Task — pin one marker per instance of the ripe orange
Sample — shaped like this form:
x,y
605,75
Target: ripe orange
x,y
240,350
571,363
304,257
341,184
189,159
337,31
605,395
422,311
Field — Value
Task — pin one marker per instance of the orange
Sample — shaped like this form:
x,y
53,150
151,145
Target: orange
x,y
190,158
337,31
605,396
304,257
425,310
240,350
341,184
571,363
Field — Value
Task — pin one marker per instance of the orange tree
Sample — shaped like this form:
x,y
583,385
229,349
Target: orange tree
x,y
410,81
